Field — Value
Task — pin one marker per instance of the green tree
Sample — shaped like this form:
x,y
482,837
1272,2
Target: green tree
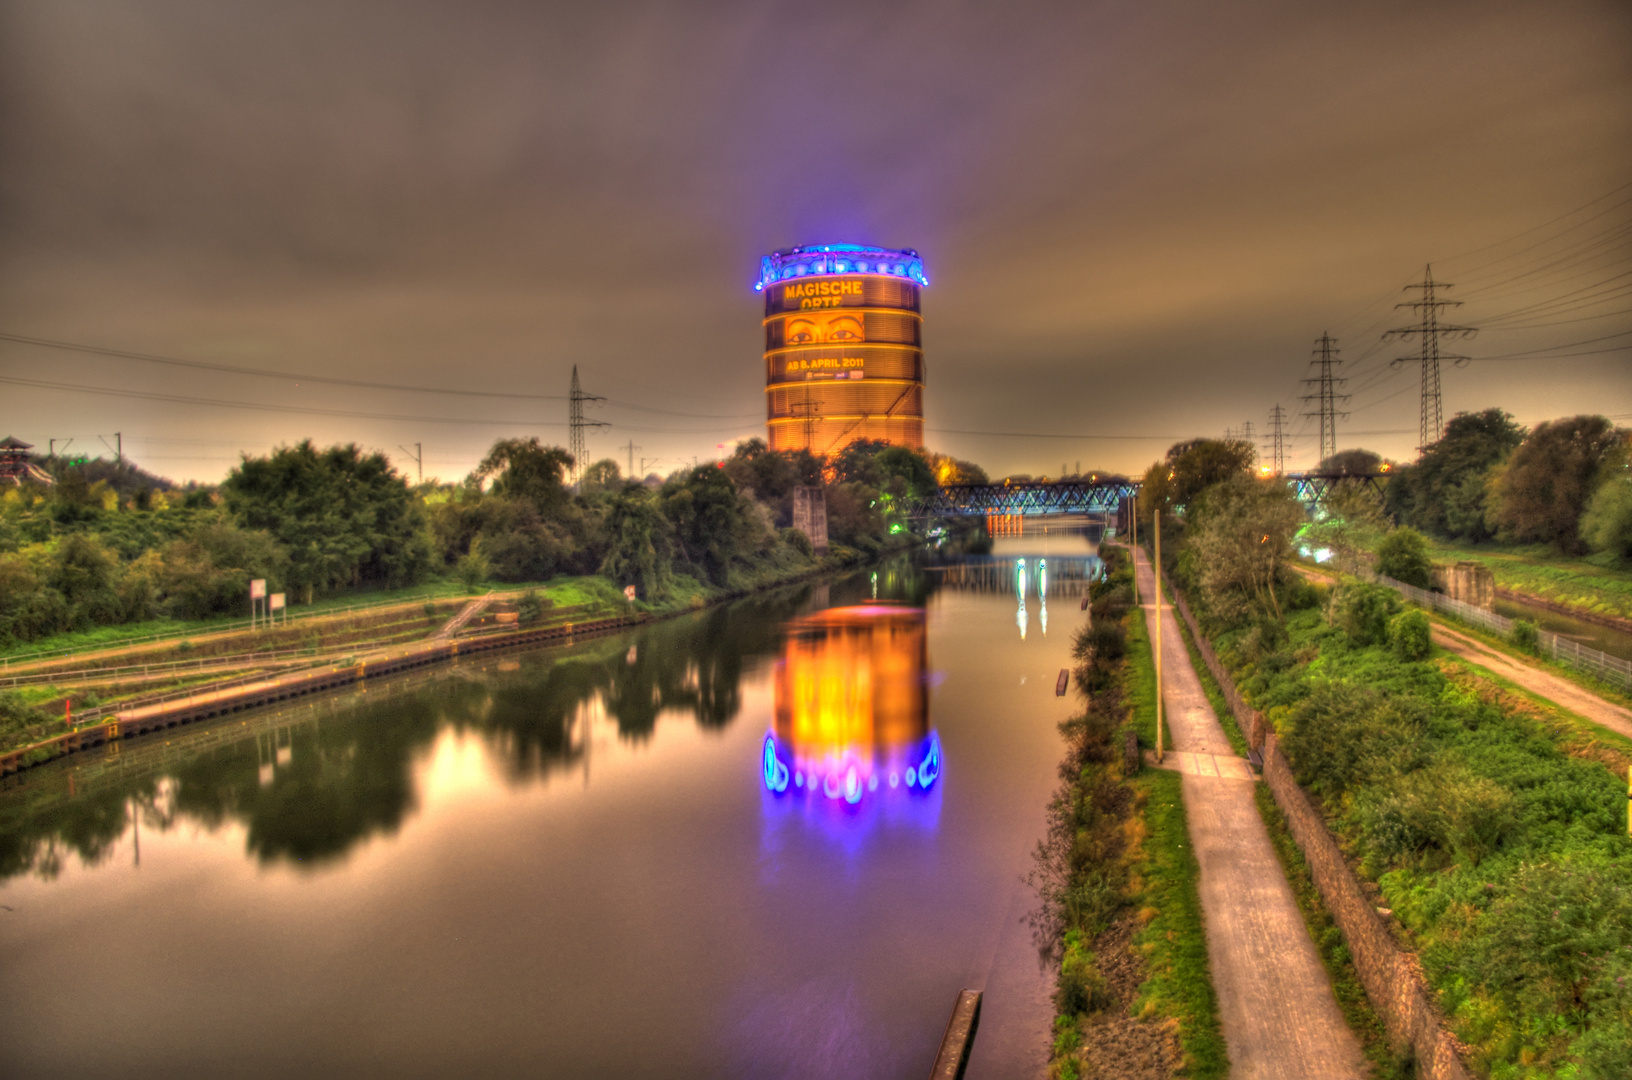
x,y
1403,556
1543,490
640,545
1443,492
1241,538
1607,523
717,528
604,475
1191,468
345,517
527,469
87,575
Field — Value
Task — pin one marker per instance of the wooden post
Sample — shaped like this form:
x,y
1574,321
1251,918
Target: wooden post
x,y
1158,637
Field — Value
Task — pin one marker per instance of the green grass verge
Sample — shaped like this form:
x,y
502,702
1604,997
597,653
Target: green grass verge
x,y
1328,939
1141,682
1179,983
112,636
1595,584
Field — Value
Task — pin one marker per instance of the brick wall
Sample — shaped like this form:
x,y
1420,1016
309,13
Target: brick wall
x,y
1390,975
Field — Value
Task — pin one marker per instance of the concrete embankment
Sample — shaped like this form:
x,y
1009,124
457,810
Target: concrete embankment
x,y
208,704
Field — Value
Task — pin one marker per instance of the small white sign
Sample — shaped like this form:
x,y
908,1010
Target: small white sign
x,y
257,588
277,601
628,592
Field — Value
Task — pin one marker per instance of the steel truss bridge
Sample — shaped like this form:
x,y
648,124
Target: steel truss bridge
x,y
1311,488
1064,497
1098,496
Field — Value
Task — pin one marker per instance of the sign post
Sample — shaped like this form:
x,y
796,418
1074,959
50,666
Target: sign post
x,y
257,592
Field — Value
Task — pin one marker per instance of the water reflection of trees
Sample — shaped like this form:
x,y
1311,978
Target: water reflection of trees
x,y
349,770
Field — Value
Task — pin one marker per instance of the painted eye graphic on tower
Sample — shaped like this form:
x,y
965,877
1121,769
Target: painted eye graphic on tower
x,y
821,329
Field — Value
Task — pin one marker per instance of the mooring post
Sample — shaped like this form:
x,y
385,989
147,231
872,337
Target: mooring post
x,y
959,1038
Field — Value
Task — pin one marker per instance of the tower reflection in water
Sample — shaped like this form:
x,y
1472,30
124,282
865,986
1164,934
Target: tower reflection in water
x,y
852,709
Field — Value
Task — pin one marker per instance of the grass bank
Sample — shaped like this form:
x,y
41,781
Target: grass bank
x,y
1118,880
1495,835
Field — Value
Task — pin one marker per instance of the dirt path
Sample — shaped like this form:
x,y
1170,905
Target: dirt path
x,y
1274,998
1542,683
1560,692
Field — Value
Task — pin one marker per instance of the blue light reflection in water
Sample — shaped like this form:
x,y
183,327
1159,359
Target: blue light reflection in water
x,y
852,726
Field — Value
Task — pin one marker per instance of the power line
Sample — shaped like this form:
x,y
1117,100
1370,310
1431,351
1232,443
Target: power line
x,y
1536,228
255,406
329,380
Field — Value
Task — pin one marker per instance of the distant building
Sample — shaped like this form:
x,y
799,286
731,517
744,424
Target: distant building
x,y
17,465
844,356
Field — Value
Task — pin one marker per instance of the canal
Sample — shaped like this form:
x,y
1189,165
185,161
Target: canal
x,y
770,839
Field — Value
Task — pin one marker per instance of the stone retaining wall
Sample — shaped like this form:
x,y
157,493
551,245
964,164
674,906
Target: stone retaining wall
x,y
1390,975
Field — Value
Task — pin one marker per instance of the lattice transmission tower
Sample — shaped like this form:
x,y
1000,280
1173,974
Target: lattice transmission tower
x,y
576,425
1277,438
1428,332
1326,362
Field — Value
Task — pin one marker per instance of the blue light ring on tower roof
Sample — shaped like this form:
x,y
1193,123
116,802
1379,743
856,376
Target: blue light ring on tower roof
x,y
835,259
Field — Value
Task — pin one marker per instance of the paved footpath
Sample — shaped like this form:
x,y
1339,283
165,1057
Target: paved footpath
x,y
1280,1019
1542,683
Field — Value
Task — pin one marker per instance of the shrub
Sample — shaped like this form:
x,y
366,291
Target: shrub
x,y
1081,987
1343,735
1403,556
1102,641
1362,612
1410,636
1443,807
1525,636
530,608
472,568
796,539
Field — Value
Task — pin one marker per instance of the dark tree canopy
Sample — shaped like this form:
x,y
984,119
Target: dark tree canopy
x,y
1191,468
527,469
1546,484
1444,491
345,517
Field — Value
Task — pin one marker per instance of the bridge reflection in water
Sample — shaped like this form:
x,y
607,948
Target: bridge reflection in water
x,y
852,709
1060,577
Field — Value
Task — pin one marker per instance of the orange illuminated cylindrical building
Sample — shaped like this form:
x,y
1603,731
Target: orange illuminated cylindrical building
x,y
844,356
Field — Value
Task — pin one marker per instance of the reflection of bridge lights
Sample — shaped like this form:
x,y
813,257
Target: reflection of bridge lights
x,y
1042,579
1020,580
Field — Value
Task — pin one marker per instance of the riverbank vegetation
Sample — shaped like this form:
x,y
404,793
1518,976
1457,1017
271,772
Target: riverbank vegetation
x,y
1493,838
1119,911
321,524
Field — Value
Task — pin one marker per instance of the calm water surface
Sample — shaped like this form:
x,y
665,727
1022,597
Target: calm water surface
x,y
569,862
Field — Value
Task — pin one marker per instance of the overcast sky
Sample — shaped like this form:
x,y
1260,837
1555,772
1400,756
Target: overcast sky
x,y
1136,217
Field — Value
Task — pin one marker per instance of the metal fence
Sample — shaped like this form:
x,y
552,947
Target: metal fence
x,y
1610,669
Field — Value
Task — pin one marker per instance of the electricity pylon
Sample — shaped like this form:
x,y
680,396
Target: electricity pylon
x,y
1277,438
576,425
1326,382
1428,331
